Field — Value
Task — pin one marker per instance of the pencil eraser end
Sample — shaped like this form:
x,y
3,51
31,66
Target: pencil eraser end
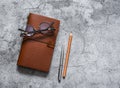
x,y
71,34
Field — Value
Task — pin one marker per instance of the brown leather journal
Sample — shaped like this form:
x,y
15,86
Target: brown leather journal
x,y
37,51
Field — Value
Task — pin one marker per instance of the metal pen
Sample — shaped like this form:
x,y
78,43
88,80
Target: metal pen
x,y
61,64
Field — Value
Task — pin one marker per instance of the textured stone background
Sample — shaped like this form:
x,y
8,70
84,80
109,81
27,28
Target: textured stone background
x,y
95,54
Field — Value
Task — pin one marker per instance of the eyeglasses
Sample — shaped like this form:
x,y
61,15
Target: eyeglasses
x,y
44,28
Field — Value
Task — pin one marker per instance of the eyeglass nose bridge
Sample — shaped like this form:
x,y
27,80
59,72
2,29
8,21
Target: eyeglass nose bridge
x,y
49,28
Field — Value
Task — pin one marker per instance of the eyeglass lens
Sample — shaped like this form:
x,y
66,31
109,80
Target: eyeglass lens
x,y
44,29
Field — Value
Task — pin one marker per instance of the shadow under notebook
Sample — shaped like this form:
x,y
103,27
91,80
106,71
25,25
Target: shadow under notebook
x,y
29,71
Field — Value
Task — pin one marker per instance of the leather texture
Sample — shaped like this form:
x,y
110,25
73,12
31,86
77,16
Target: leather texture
x,y
35,53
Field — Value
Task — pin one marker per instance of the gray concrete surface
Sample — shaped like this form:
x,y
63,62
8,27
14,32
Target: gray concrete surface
x,y
95,53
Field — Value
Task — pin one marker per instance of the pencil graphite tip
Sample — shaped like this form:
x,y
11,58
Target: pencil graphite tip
x,y
63,77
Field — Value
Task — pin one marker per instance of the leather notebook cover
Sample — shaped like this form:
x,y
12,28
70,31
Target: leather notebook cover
x,y
34,54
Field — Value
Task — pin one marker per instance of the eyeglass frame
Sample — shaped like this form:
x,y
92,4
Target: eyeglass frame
x,y
39,31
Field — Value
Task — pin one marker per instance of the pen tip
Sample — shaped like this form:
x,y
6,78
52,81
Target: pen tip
x,y
59,81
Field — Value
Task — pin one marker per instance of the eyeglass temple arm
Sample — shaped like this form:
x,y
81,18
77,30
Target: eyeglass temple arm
x,y
21,30
26,31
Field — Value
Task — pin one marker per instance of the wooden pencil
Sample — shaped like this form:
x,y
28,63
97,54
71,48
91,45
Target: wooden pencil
x,y
67,55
